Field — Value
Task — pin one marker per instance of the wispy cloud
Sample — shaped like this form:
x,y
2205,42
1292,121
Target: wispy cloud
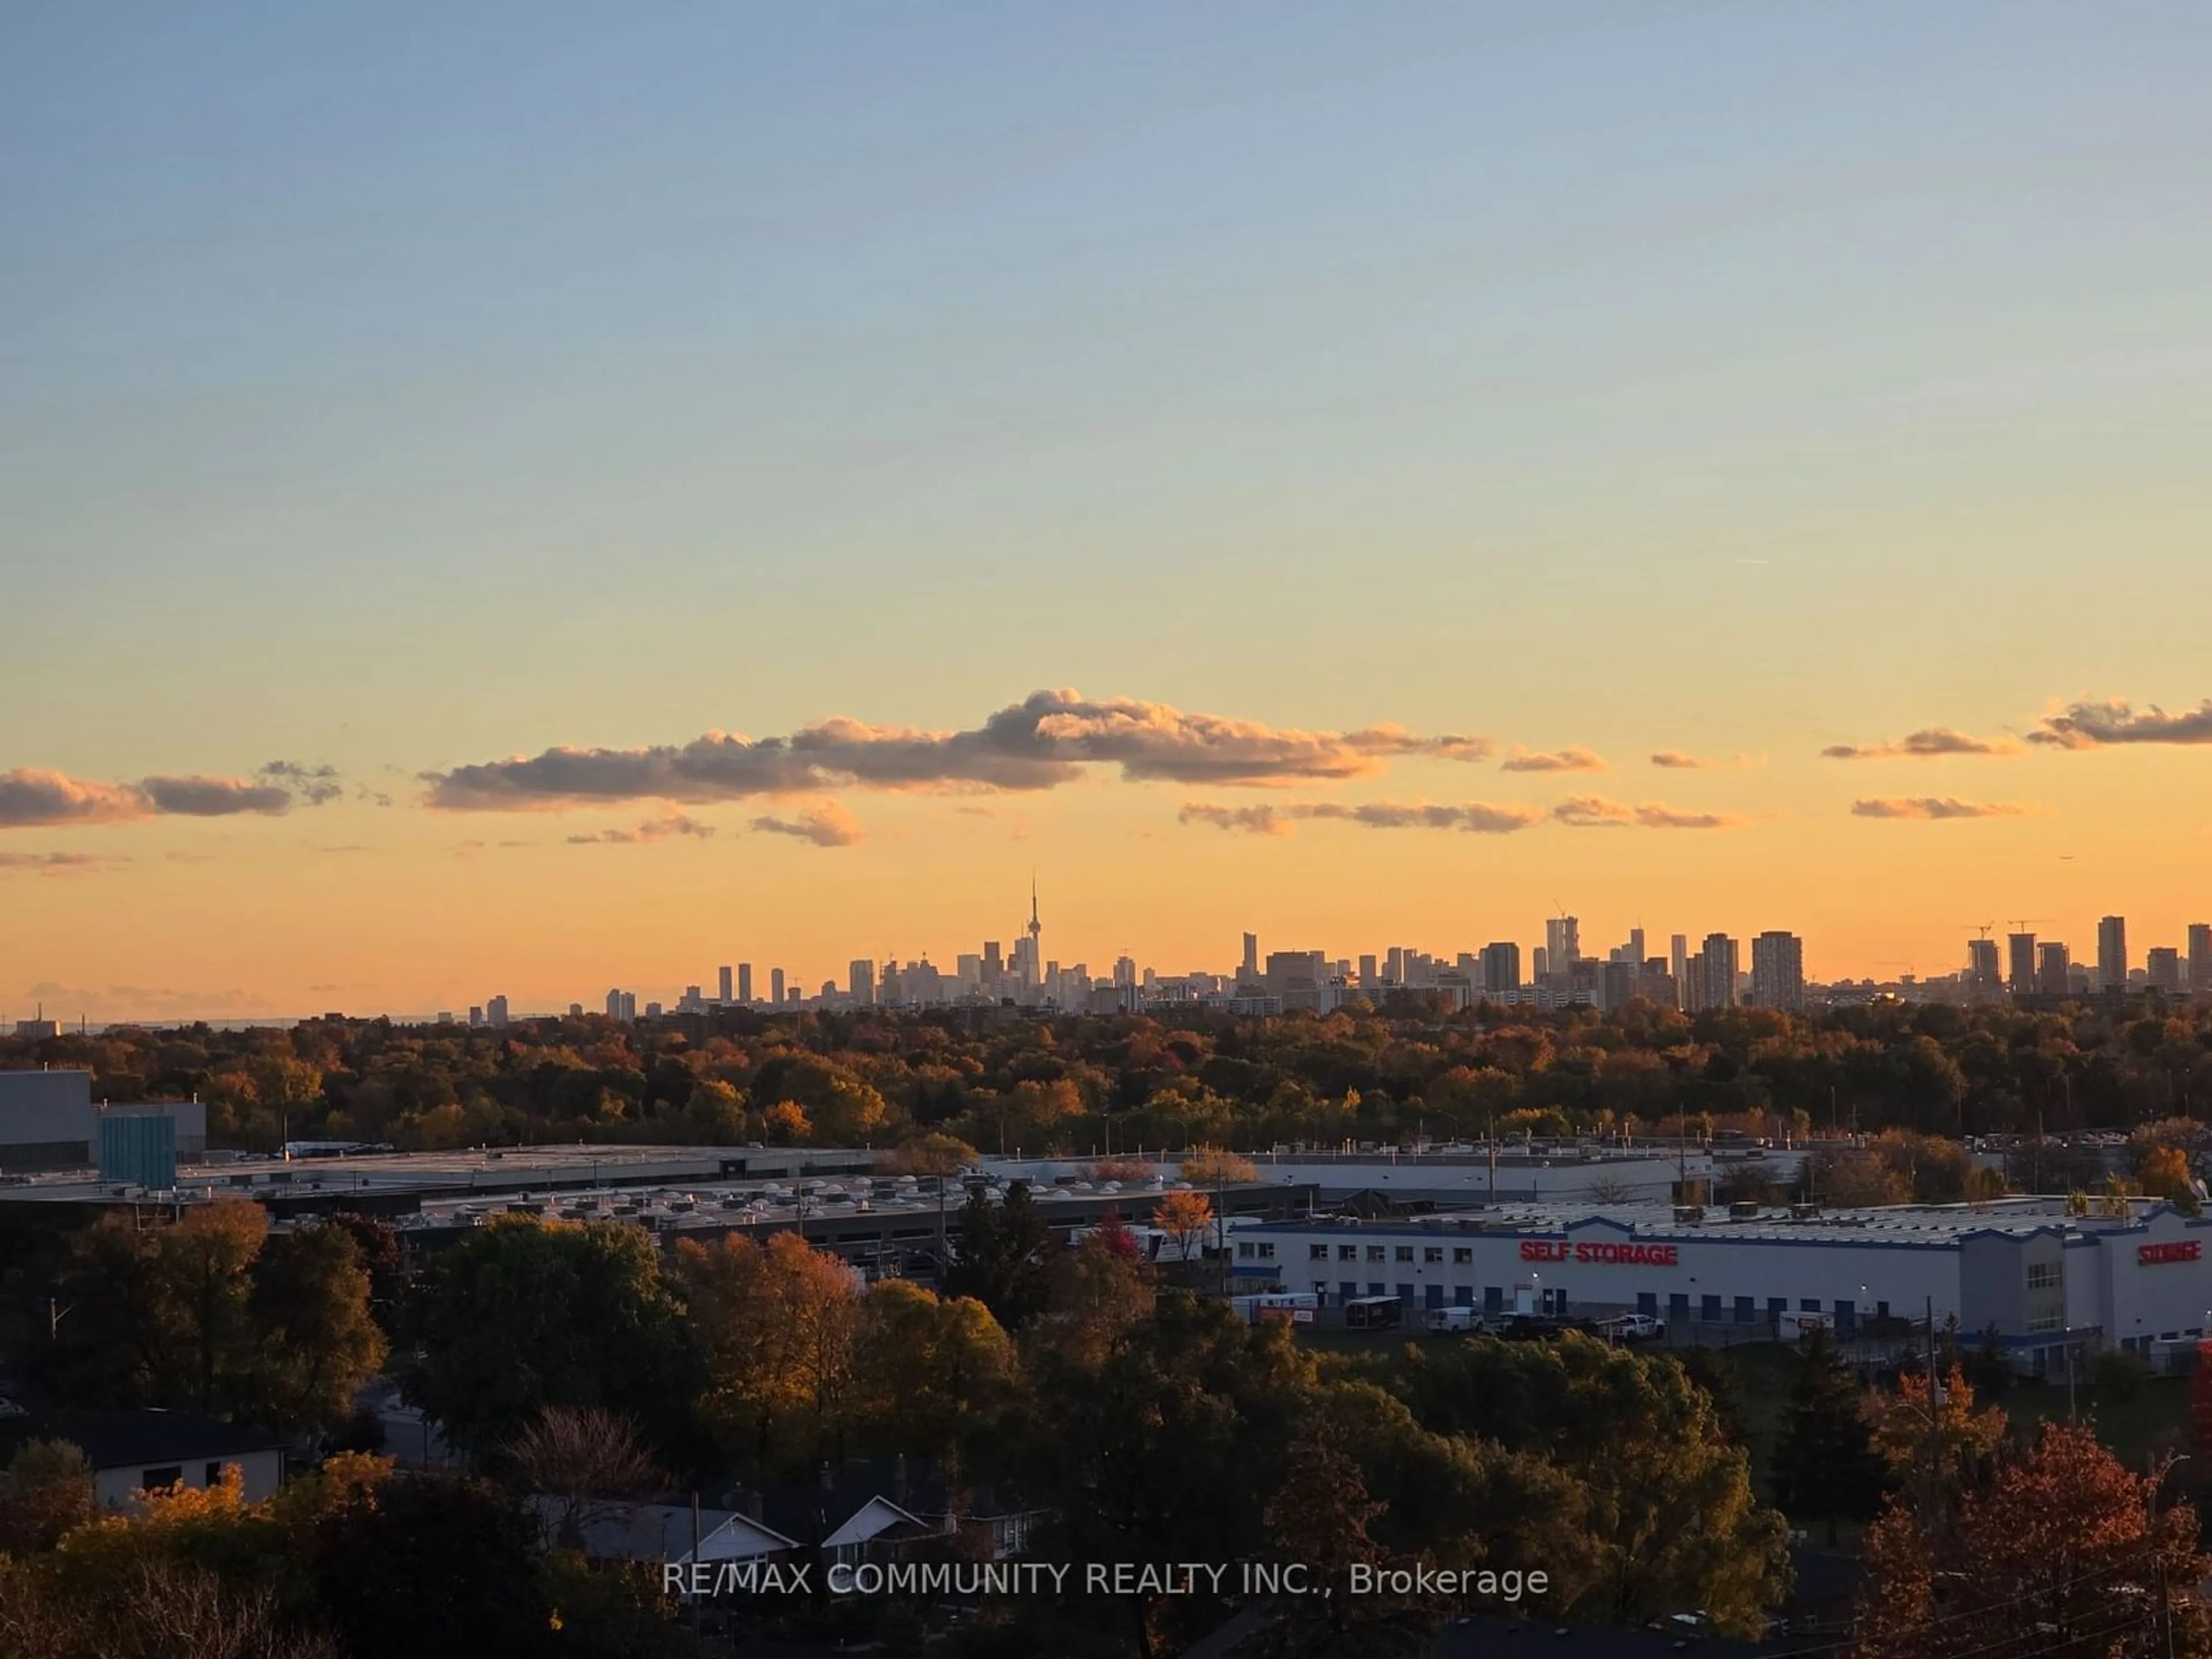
x,y
826,824
1561,760
1048,740
311,786
2100,725
1594,813
1477,818
673,825
1929,743
1935,806
1673,760
58,864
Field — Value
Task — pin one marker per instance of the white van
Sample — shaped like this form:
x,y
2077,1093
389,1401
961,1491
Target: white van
x,y
1463,1320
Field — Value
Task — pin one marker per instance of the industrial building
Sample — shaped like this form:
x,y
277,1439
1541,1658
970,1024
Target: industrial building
x,y
2044,1280
49,1120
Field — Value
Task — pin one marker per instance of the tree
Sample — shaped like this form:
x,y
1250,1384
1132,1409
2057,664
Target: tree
x,y
2164,1173
200,1264
1100,1289
589,1462
1004,1256
1213,1165
934,1153
310,1302
1676,1523
1318,1516
777,1322
1825,1466
434,1567
523,1314
930,1375
2063,1552
47,1493
1187,1218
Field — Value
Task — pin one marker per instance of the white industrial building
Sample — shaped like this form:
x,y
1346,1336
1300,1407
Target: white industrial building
x,y
2044,1280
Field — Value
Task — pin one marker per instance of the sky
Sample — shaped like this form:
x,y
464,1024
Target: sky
x,y
529,498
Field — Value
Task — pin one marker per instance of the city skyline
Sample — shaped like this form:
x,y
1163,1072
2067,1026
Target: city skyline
x,y
1469,465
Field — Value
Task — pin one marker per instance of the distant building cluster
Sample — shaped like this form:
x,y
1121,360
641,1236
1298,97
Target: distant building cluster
x,y
1709,973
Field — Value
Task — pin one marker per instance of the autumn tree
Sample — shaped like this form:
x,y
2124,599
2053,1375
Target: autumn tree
x,y
1213,1165
47,1492
777,1322
309,1301
1187,1218
929,1374
2062,1551
1319,1517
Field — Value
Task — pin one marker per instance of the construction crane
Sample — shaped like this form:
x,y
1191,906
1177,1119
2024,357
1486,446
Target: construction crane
x,y
2026,921
1981,927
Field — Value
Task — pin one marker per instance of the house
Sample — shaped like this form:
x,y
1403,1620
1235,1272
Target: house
x,y
134,1451
672,1534
895,1511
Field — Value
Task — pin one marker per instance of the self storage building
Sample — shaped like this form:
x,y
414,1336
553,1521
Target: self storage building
x,y
2044,1279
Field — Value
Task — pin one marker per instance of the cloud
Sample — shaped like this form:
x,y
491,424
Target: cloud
x,y
2097,725
30,796
826,824
1673,760
1479,817
33,796
58,864
1046,740
215,798
1928,744
311,786
660,828
1935,806
1593,813
1564,760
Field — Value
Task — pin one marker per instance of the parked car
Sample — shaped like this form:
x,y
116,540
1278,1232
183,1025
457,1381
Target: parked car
x,y
1632,1327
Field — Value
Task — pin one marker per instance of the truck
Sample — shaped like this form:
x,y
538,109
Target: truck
x,y
1371,1313
1453,1320
1632,1327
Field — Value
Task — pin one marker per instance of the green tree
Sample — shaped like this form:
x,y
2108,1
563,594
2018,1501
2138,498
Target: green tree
x,y
1825,1464
1003,1257
318,1342
522,1315
436,1568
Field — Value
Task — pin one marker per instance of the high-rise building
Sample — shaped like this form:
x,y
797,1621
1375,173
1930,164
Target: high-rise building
x,y
476,1015
2112,953
1368,972
776,985
729,985
1562,939
745,981
2163,967
1777,971
2021,948
1501,967
496,1011
1678,957
2200,958
2053,976
1719,967
1984,972
1248,972
860,980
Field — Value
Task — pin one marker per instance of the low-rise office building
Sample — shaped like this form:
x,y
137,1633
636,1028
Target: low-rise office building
x,y
49,1120
2042,1279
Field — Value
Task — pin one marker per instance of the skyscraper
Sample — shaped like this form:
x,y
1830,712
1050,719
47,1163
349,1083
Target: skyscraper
x,y
1983,967
496,1011
613,1004
1562,939
860,977
1249,972
2112,953
727,986
2052,978
776,985
1720,971
2021,948
2200,958
2164,965
1678,958
1777,971
745,981
1368,972
1501,967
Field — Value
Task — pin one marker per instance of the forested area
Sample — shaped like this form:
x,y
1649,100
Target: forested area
x,y
1005,1082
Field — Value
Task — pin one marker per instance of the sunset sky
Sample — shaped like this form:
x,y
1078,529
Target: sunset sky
x,y
922,446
